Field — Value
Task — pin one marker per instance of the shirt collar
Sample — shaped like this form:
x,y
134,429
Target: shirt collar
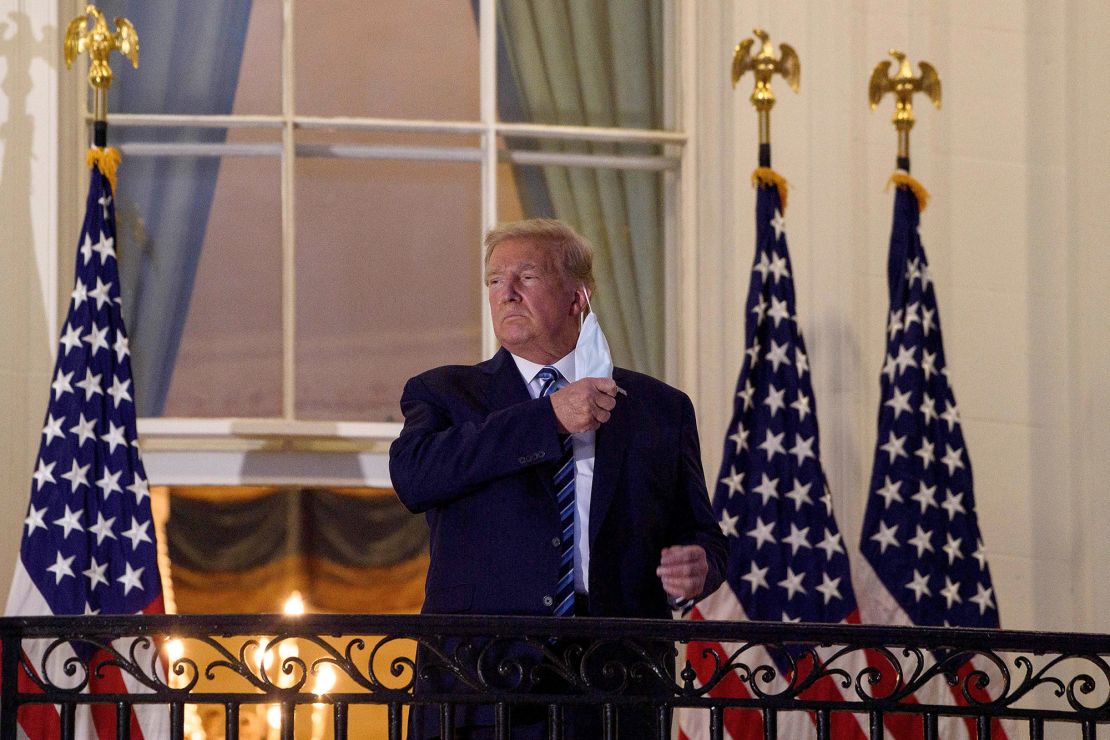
x,y
528,369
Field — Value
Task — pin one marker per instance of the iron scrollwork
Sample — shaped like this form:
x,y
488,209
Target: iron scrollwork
x,y
392,659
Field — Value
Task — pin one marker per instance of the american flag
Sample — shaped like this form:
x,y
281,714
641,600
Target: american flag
x,y
88,538
924,561
787,559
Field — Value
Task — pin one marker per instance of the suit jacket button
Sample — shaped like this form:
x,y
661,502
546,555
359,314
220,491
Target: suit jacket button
x,y
548,601
555,542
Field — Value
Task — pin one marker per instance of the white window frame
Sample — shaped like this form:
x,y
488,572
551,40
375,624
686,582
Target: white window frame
x,y
288,451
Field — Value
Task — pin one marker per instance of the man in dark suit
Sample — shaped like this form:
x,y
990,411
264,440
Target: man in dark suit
x,y
483,447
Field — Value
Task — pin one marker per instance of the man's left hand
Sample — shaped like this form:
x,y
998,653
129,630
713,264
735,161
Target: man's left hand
x,y
683,569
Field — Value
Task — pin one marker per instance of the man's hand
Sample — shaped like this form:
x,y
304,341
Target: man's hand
x,y
683,569
584,405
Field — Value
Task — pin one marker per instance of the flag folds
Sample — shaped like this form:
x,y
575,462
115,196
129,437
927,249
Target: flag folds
x,y
923,557
88,538
787,559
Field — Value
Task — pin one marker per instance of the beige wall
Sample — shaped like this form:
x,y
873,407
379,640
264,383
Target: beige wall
x,y
1087,224
30,54
1016,235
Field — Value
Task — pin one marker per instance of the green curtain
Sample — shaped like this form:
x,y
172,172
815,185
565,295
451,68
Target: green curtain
x,y
598,63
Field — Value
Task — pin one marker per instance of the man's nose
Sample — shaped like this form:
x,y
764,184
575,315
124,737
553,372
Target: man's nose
x,y
509,292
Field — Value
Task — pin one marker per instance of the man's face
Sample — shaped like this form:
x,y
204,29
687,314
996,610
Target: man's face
x,y
535,312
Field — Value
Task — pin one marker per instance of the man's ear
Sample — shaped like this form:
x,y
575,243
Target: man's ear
x,y
581,299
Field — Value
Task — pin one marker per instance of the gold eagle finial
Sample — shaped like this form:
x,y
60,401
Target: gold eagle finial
x,y
903,84
99,41
764,65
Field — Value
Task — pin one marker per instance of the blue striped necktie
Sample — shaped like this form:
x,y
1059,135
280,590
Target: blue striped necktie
x,y
564,501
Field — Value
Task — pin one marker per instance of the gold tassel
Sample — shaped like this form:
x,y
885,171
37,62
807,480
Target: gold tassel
x,y
105,159
903,179
767,176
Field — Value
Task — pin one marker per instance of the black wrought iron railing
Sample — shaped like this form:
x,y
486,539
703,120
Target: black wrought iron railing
x,y
508,672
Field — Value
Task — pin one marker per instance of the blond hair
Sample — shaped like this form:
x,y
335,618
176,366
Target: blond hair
x,y
568,249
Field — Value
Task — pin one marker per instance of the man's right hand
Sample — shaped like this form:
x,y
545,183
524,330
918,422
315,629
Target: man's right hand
x,y
585,404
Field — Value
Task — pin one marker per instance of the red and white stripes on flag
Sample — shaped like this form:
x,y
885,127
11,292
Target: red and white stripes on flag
x,y
748,724
91,721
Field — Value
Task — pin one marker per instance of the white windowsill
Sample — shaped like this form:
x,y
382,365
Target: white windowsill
x,y
167,428
266,452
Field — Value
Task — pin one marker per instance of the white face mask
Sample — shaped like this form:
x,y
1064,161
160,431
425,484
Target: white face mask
x,y
592,358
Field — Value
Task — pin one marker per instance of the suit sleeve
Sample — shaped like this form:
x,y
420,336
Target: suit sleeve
x,y
436,460
700,526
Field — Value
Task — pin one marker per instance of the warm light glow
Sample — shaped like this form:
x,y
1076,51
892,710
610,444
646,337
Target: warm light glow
x,y
294,604
325,682
261,658
317,721
194,729
175,650
288,649
325,679
273,716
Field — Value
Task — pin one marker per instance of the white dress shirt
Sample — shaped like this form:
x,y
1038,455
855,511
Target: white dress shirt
x,y
583,444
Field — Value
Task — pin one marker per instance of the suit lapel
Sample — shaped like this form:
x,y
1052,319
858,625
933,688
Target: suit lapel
x,y
505,387
610,448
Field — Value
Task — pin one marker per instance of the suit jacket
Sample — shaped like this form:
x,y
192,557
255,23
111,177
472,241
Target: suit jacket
x,y
478,456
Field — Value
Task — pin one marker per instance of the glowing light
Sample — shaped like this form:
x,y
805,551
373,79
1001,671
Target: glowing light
x,y
288,649
325,679
263,659
273,716
175,650
325,682
294,604
194,728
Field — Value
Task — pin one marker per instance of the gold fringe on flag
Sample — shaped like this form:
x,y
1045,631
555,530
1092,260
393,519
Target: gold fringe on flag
x,y
767,176
107,160
903,179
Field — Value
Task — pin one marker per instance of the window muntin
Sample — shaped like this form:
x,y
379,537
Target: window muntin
x,y
294,139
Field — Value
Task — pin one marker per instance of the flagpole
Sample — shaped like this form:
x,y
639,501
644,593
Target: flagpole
x,y
903,85
923,559
787,559
764,65
89,466
99,42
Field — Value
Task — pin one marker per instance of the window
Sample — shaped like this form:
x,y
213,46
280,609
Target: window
x,y
306,184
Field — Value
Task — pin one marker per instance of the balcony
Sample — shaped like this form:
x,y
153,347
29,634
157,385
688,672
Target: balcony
x,y
355,676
